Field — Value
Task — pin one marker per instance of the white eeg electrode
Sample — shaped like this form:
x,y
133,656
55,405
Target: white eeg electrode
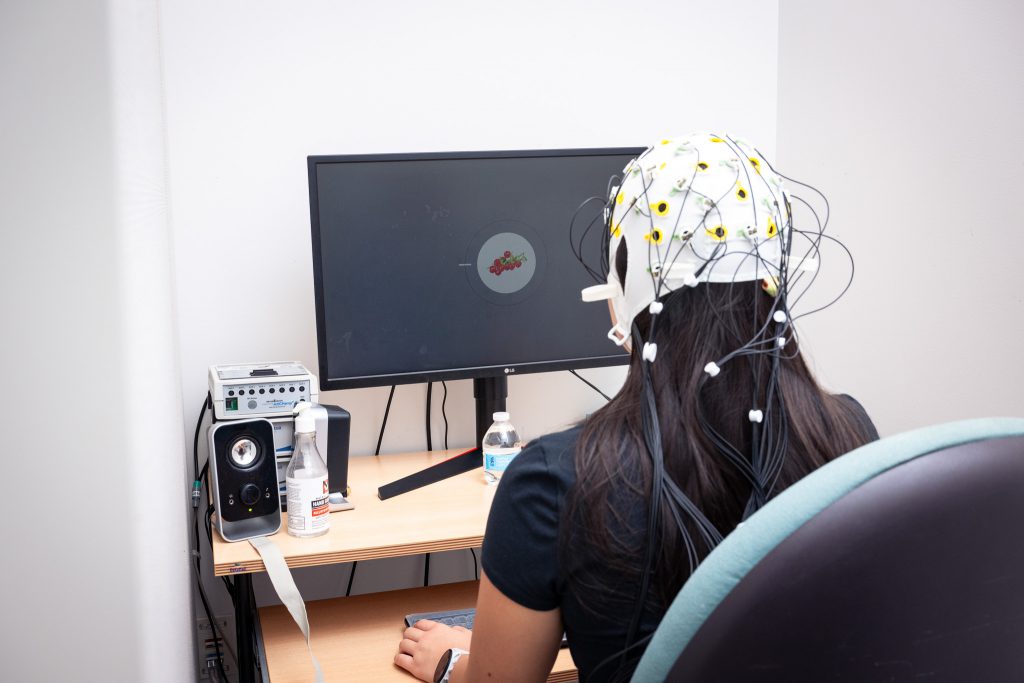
x,y
260,389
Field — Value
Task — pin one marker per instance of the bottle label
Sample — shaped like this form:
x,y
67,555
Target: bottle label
x,y
497,459
308,504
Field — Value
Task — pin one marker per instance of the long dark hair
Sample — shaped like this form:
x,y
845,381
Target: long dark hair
x,y
607,506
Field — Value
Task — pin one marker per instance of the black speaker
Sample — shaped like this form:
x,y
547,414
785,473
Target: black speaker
x,y
335,424
244,470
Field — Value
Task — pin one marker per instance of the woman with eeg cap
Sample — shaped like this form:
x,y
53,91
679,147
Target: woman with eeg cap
x,y
595,529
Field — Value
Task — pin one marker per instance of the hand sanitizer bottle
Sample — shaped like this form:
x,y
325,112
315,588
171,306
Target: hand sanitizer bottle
x,y
306,479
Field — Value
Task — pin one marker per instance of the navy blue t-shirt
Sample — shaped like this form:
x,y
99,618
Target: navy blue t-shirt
x,y
523,558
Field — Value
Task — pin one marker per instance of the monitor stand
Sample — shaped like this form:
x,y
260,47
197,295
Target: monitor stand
x,y
490,394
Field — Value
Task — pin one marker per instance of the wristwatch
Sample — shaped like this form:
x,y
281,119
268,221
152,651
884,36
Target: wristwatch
x,y
447,664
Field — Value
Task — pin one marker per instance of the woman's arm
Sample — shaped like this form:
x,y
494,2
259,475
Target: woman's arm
x,y
509,642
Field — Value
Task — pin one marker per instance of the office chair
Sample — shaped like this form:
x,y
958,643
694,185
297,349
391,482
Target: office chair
x,y
903,560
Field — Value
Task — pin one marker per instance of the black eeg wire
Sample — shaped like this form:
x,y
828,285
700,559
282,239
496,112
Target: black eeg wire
x,y
821,195
444,399
652,439
578,251
849,282
430,445
659,282
607,212
476,565
195,439
200,476
769,440
254,615
591,385
230,587
743,157
822,226
662,485
384,422
206,605
677,497
766,459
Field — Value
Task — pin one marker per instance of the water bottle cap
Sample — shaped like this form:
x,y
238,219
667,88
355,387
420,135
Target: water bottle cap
x,y
500,416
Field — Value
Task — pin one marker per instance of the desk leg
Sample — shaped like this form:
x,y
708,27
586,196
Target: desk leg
x,y
244,627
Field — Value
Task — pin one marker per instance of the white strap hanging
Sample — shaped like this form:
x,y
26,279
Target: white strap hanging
x,y
284,584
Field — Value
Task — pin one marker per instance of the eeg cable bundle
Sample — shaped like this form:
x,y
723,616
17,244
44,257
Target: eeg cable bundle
x,y
704,208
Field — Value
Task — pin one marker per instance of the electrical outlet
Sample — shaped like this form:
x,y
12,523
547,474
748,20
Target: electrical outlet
x,y
207,650
208,669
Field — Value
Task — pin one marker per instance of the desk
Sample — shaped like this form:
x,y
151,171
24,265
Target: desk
x,y
356,638
449,515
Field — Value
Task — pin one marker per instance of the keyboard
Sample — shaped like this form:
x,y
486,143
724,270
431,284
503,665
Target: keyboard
x,y
453,617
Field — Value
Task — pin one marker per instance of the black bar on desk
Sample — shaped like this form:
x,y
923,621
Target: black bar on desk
x,y
464,462
244,628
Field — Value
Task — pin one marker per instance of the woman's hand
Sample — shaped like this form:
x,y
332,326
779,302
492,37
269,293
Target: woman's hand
x,y
424,642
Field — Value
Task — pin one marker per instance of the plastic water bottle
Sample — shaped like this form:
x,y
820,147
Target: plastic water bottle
x,y
501,444
306,479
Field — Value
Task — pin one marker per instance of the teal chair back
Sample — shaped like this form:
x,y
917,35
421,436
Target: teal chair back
x,y
902,560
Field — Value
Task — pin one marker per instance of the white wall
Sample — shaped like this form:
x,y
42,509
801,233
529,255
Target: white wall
x,y
252,88
907,115
95,574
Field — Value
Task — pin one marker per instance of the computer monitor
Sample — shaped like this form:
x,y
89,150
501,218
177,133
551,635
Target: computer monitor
x,y
446,266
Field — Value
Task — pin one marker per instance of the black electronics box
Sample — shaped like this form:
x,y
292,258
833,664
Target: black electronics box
x,y
337,425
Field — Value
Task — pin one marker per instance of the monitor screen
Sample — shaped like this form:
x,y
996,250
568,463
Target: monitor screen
x,y
449,266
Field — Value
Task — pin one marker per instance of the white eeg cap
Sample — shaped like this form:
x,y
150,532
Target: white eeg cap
x,y
699,208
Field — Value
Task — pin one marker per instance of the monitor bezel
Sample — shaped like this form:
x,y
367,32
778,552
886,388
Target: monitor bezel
x,y
328,383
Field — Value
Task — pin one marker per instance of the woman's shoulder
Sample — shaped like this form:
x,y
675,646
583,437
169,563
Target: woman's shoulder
x,y
520,549
556,445
549,456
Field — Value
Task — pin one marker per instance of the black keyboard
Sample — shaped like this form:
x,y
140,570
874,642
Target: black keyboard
x,y
453,617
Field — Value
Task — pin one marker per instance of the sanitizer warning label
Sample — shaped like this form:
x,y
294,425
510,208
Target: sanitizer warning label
x,y
308,504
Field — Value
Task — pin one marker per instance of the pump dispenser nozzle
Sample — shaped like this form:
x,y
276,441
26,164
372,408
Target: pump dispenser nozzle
x,y
305,423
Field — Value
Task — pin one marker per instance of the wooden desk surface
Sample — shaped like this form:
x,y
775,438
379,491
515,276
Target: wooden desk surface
x,y
355,639
448,515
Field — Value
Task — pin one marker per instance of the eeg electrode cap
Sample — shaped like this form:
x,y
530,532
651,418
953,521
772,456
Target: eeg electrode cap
x,y
706,204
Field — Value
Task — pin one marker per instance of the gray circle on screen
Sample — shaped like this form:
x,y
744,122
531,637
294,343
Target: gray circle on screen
x,y
506,263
